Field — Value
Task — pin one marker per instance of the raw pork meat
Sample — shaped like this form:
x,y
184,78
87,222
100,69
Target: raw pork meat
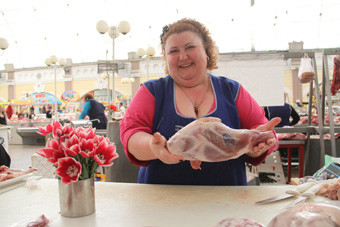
x,y
331,190
308,215
6,173
335,86
209,140
238,222
41,221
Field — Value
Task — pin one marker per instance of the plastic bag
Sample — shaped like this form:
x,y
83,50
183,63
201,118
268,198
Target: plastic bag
x,y
306,70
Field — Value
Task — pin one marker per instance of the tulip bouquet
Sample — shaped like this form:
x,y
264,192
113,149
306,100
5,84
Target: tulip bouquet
x,y
76,152
112,108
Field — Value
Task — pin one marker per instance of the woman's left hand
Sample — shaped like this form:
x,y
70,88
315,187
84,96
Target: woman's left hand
x,y
263,147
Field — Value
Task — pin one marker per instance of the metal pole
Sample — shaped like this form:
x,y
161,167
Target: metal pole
x,y
147,67
113,68
108,81
55,91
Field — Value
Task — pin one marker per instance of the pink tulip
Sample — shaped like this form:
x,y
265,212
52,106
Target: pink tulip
x,y
87,148
87,134
45,131
57,129
105,154
68,169
72,141
73,151
67,132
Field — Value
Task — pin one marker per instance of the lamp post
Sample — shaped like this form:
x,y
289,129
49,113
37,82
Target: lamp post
x,y
53,60
106,76
128,81
3,44
113,32
150,52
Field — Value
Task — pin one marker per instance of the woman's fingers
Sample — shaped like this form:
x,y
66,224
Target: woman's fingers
x,y
270,125
262,147
273,122
161,152
196,164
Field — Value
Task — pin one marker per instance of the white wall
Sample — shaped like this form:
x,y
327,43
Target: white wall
x,y
262,75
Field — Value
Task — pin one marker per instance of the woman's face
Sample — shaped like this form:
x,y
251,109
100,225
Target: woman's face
x,y
186,58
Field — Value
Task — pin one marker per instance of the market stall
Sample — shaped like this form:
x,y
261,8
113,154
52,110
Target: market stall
x,y
4,136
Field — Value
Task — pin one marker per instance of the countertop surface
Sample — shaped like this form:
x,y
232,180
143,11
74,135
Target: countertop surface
x,y
126,204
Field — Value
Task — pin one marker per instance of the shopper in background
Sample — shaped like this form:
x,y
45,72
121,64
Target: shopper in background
x,y
162,106
122,109
49,112
31,114
95,110
21,116
3,116
43,110
287,113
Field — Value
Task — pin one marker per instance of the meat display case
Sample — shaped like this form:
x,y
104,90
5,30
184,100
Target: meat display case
x,y
320,128
26,132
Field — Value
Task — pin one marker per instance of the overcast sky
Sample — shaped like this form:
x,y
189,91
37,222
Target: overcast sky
x,y
36,29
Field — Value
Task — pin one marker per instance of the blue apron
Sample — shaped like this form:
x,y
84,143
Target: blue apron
x,y
168,121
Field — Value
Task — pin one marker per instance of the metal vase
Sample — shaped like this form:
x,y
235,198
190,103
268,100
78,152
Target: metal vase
x,y
77,198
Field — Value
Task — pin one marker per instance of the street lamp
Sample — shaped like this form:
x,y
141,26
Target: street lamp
x,y
3,44
106,76
113,32
53,60
128,81
150,52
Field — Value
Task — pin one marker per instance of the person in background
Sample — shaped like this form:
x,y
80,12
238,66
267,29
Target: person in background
x,y
122,109
31,114
95,110
21,116
162,106
3,116
49,112
59,109
287,113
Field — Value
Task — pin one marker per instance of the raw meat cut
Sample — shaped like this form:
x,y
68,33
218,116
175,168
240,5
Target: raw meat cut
x,y
335,86
331,190
41,221
238,222
207,139
308,215
6,173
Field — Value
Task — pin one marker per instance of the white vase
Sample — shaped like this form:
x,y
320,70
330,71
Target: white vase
x,y
77,198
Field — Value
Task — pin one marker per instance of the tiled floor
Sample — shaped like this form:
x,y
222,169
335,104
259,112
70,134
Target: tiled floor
x,y
21,155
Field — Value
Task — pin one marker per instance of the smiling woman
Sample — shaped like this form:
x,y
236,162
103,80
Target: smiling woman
x,y
163,106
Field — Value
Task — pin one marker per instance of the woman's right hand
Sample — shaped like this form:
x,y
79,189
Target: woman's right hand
x,y
159,149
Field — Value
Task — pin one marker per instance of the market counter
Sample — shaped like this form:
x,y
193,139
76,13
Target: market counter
x,y
25,132
127,204
4,136
30,136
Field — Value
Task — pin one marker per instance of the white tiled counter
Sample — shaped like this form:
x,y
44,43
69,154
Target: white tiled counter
x,y
45,168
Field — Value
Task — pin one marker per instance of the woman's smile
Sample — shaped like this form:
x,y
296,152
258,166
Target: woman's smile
x,y
185,66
